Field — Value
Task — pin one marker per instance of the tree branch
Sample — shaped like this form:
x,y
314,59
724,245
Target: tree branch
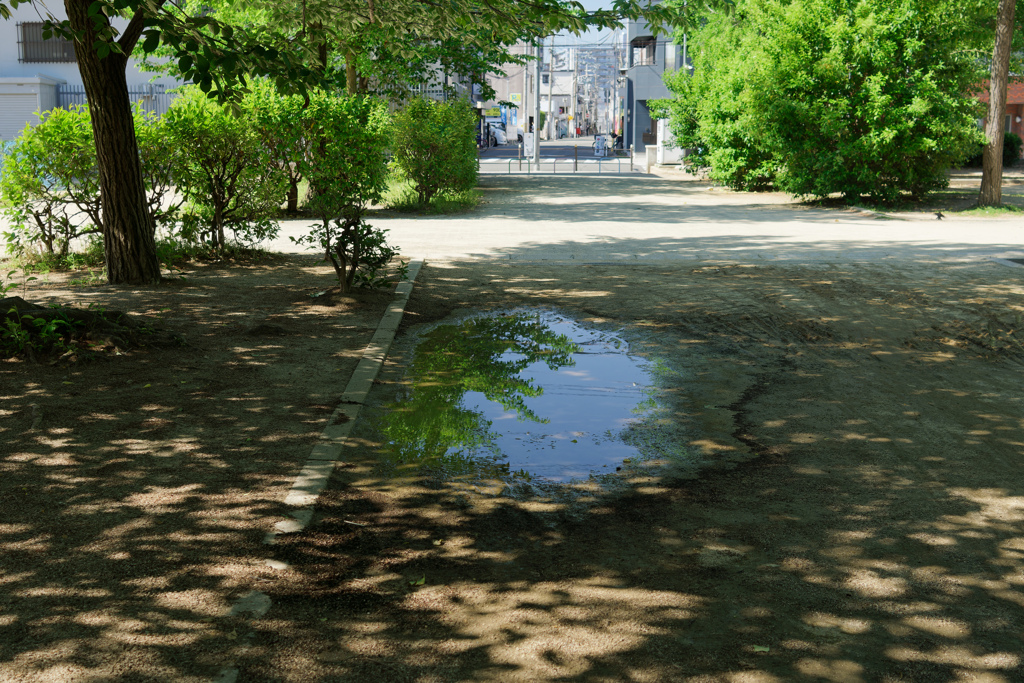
x,y
133,32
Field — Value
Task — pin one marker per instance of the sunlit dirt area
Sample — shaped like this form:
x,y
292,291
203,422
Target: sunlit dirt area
x,y
857,515
852,507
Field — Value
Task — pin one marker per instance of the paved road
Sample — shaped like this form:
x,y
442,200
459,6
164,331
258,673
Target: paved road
x,y
562,149
647,218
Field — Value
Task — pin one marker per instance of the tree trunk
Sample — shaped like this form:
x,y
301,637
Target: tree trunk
x,y
293,195
992,157
351,75
128,230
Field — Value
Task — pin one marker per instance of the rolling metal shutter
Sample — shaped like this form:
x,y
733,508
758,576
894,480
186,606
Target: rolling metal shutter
x,y
15,112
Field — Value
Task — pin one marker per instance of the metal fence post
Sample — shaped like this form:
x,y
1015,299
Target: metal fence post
x,y
575,157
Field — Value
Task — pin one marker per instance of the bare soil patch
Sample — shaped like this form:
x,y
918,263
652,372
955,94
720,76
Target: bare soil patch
x,y
137,483
858,516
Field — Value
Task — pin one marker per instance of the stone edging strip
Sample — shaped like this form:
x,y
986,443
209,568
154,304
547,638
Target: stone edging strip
x,y
1005,262
326,453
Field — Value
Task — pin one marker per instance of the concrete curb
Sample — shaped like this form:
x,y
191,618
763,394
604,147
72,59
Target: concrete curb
x,y
326,453
1006,262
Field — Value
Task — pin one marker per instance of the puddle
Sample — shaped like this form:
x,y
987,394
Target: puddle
x,y
531,395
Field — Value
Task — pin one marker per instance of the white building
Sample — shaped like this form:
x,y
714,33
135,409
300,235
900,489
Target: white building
x,y
37,75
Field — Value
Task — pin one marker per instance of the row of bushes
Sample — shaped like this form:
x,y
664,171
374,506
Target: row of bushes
x,y
217,174
825,97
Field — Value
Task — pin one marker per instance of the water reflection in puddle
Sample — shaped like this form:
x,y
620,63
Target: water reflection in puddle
x,y
528,393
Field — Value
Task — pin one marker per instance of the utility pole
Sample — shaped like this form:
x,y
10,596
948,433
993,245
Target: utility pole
x,y
551,84
536,106
527,94
572,104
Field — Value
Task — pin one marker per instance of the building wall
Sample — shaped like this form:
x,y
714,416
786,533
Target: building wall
x,y
1014,106
65,71
31,88
646,82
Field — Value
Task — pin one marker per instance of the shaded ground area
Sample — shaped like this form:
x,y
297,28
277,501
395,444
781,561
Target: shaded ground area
x,y
136,484
859,516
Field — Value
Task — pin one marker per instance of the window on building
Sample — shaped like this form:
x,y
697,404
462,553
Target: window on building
x,y
545,79
643,51
32,47
671,52
1009,118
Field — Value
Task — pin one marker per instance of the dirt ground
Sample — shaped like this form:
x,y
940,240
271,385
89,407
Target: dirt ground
x,y
136,487
859,518
857,515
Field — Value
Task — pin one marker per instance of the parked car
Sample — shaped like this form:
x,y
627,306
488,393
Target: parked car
x,y
496,134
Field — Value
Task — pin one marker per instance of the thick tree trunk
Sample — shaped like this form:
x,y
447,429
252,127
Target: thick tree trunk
x,y
128,230
992,157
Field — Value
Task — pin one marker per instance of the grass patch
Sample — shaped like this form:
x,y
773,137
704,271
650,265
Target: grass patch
x,y
173,251
34,261
1004,210
959,201
401,196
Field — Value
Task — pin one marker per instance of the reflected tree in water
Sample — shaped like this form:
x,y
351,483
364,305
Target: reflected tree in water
x,y
486,355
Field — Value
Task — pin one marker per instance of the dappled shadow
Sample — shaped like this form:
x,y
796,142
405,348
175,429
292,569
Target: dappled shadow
x,y
860,518
136,486
742,247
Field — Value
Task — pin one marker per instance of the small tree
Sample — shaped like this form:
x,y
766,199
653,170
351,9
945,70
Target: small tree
x,y
434,145
278,122
49,184
160,157
344,162
224,172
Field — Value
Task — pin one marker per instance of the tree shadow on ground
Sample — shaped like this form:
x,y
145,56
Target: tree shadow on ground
x,y
136,487
861,522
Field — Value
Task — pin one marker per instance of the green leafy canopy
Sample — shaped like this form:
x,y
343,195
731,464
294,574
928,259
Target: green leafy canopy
x,y
817,97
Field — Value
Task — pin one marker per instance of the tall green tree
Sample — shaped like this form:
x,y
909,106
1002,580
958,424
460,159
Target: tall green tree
x,y
221,58
816,97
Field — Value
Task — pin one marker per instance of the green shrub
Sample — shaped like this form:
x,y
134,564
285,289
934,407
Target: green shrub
x,y
278,122
434,145
344,163
225,174
159,156
49,185
1011,151
823,97
1012,144
401,196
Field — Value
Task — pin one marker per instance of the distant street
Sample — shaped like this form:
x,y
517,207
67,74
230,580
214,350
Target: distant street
x,y
549,149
